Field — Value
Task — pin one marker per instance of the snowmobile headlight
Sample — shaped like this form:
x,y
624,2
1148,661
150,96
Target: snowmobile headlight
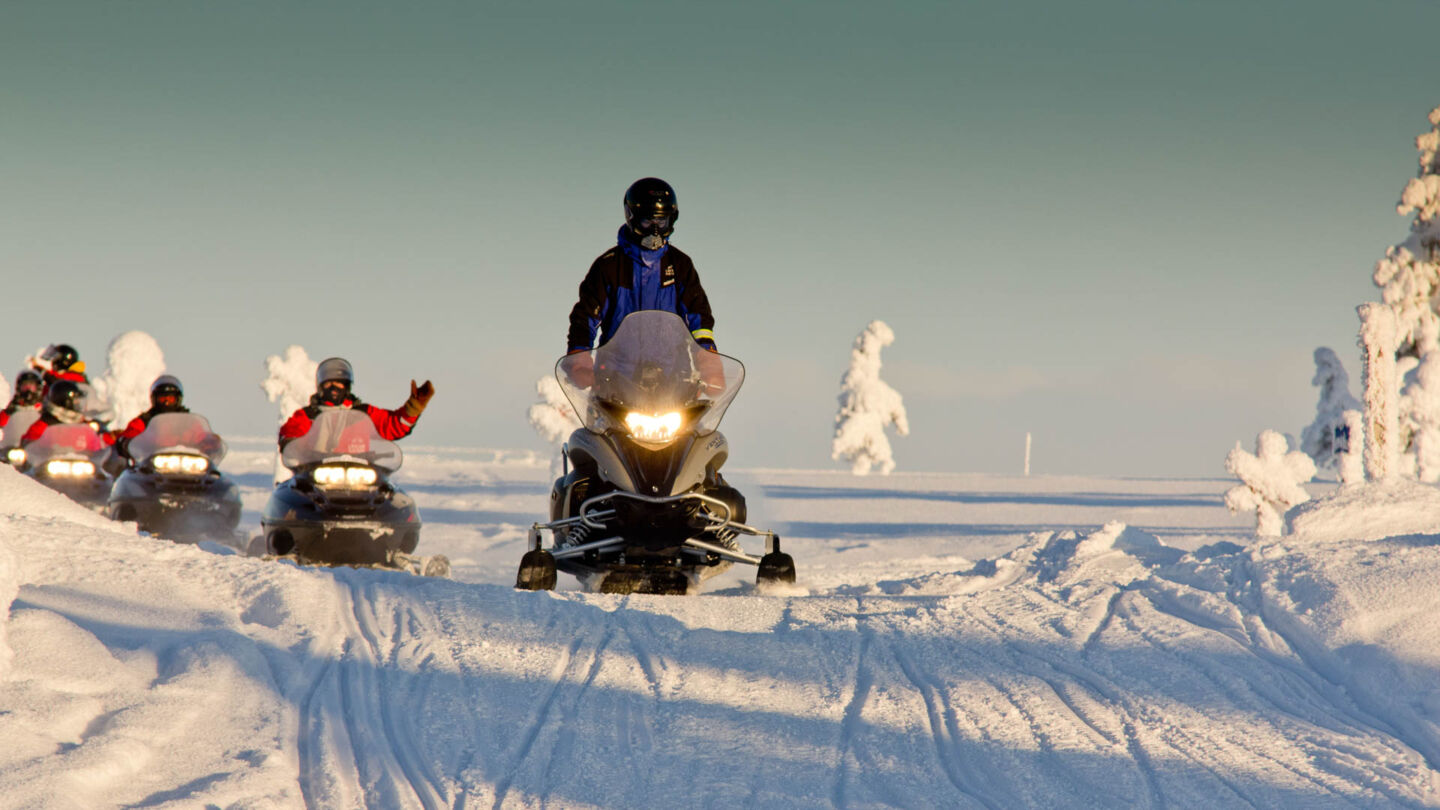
x,y
16,456
181,463
660,427
69,468
345,476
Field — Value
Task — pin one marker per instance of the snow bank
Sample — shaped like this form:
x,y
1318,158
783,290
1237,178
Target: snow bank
x,y
9,587
868,405
1394,508
134,360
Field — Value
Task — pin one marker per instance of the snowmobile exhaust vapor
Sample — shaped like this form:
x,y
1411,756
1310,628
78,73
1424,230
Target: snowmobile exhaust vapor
x,y
642,506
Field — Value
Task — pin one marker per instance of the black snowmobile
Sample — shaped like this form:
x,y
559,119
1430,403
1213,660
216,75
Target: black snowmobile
x,y
340,507
69,458
175,488
642,507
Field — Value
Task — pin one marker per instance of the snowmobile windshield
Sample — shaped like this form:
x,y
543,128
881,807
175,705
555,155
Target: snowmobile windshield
x,y
651,379
184,433
66,443
14,430
340,436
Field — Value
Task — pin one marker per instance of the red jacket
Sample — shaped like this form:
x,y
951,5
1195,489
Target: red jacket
x,y
391,425
10,411
38,429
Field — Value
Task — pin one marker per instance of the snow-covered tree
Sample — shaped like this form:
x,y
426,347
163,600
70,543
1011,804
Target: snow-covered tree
x,y
289,382
867,406
1351,462
1379,337
553,417
1409,282
1327,437
133,361
1270,481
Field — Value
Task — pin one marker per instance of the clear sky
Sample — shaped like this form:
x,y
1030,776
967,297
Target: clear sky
x,y
1121,226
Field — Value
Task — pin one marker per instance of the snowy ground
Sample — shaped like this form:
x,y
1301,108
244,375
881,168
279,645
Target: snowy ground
x,y
961,641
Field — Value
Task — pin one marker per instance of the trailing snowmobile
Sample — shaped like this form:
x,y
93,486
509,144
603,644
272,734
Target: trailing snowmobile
x,y
340,507
175,488
70,459
642,506
14,430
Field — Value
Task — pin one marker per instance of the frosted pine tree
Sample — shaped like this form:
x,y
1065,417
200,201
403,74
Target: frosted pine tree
x,y
1409,282
867,406
553,417
133,361
1270,481
1327,437
289,382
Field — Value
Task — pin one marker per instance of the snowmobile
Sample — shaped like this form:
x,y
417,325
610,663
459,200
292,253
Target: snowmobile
x,y
10,435
339,507
642,507
69,458
175,488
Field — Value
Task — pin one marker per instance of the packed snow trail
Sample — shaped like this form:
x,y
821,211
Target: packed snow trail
x,y
1080,667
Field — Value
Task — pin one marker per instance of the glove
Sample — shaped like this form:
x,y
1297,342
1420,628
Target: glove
x,y
419,398
580,368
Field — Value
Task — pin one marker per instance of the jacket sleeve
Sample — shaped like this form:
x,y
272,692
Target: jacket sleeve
x,y
296,426
589,310
37,429
391,425
697,309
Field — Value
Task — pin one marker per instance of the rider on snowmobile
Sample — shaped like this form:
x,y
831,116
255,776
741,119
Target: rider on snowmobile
x,y
643,271
28,391
63,406
60,361
333,379
166,396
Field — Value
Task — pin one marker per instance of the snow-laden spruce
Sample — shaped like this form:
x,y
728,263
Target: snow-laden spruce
x,y
1327,438
1270,479
552,416
289,382
1379,337
133,361
868,405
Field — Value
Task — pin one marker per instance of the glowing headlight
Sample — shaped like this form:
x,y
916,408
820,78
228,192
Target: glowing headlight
x,y
16,456
183,464
658,428
69,468
338,476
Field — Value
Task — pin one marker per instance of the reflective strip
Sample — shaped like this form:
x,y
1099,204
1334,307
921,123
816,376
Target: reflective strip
x,y
703,334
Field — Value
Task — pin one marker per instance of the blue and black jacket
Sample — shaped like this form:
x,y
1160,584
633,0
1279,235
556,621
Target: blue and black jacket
x,y
627,278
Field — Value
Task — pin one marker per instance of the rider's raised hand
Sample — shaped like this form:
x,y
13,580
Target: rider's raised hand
x,y
419,397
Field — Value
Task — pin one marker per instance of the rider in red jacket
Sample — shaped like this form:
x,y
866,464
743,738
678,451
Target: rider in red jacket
x,y
28,391
333,379
60,361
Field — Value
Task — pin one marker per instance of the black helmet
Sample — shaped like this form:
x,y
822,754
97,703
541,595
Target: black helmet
x,y
166,385
60,356
334,370
28,394
651,211
65,395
